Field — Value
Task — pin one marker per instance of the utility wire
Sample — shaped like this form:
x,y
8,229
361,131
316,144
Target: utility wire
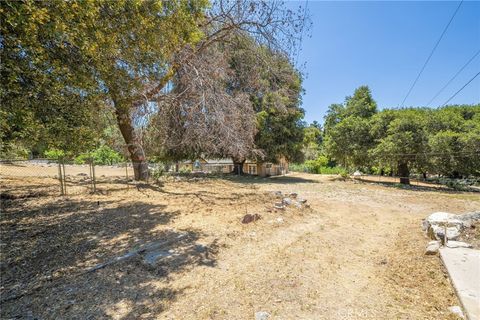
x,y
431,54
466,84
453,78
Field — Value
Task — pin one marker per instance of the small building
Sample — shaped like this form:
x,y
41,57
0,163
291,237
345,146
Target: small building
x,y
264,169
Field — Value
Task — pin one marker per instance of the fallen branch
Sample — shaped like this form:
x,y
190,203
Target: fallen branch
x,y
134,253
131,254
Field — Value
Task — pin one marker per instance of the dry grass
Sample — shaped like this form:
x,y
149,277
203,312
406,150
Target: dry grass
x,y
356,254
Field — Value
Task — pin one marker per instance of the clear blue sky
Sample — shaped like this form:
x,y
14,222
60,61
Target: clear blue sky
x,y
384,45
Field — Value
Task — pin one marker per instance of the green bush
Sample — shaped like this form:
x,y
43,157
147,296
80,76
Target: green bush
x,y
318,166
82,158
101,156
54,154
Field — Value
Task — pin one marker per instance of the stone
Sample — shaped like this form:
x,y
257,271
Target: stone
x,y
440,217
439,232
82,174
279,206
432,248
262,315
279,220
458,244
250,218
457,310
278,194
293,195
301,200
287,201
473,216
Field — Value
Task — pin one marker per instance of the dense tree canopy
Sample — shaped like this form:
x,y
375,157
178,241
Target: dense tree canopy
x,y
441,141
124,56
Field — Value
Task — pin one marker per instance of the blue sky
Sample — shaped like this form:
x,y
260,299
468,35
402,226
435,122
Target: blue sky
x,y
384,45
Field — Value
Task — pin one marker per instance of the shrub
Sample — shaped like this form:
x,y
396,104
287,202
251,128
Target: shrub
x,y
101,156
54,154
319,166
82,158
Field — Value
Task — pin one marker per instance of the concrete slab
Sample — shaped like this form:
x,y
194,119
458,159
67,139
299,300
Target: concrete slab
x,y
463,267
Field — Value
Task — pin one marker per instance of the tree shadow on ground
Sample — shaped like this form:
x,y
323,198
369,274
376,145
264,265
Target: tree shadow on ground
x,y
48,246
248,179
414,187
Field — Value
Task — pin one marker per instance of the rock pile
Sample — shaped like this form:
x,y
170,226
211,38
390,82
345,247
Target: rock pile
x,y
439,223
290,199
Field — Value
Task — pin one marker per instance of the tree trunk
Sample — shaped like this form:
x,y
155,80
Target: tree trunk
x,y
238,166
133,142
404,172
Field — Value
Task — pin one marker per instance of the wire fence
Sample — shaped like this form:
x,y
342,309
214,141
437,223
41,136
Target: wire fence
x,y
53,177
38,177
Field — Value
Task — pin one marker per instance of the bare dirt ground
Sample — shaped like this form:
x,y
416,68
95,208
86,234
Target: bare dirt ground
x,y
356,253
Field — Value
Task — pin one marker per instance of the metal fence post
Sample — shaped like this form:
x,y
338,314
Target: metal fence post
x,y
64,178
92,176
60,179
126,174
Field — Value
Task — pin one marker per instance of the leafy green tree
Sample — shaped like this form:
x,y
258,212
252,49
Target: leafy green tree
x,y
405,144
361,104
347,129
349,141
122,52
312,141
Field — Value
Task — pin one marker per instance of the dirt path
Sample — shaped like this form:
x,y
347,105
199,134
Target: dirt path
x,y
337,262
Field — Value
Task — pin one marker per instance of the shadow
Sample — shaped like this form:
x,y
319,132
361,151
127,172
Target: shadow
x,y
47,248
248,179
414,187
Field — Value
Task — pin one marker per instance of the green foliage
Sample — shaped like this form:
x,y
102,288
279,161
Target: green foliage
x,y
54,154
312,141
445,141
15,151
318,166
315,166
101,156
347,129
62,60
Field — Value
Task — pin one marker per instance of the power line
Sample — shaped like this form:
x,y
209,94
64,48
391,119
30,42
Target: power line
x,y
431,53
453,78
466,84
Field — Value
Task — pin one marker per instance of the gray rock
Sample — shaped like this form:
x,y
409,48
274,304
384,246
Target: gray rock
x,y
287,201
293,195
432,247
262,315
301,200
82,174
452,232
473,216
440,217
458,244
